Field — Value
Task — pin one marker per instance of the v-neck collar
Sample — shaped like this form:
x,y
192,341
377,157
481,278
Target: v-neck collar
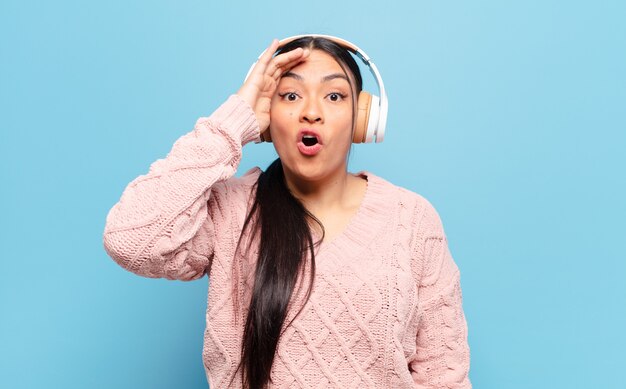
x,y
371,216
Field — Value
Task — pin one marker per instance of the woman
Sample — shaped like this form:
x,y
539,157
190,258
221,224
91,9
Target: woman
x,y
319,277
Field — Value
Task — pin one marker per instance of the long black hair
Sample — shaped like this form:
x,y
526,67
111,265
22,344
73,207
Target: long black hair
x,y
282,223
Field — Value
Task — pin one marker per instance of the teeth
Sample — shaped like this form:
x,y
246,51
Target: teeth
x,y
309,137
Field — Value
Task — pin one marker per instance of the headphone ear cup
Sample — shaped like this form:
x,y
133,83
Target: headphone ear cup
x,y
362,117
373,121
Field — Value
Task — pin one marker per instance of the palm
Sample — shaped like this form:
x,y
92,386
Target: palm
x,y
260,86
263,101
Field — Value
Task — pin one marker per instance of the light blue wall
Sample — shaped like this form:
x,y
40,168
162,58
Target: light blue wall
x,y
508,116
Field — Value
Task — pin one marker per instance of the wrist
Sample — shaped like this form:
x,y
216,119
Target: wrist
x,y
238,117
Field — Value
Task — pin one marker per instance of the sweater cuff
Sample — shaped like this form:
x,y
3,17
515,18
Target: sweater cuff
x,y
236,115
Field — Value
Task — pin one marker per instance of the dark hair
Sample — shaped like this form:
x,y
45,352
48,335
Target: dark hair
x,y
285,244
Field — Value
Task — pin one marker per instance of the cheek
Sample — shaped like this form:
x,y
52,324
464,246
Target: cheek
x,y
281,112
281,126
343,120
279,118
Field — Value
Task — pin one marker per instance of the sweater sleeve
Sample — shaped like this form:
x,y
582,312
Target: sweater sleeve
x,y
442,353
161,226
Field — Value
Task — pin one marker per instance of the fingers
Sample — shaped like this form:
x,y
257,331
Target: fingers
x,y
282,63
269,52
267,72
265,58
276,66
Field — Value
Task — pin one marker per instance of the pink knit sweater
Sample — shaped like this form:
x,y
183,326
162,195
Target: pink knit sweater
x,y
386,306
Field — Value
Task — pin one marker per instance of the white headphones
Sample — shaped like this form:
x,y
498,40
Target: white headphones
x,y
372,110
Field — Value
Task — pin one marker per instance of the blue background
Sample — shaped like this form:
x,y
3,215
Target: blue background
x,y
508,116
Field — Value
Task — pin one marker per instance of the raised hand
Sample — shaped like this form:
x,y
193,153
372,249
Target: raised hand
x,y
261,84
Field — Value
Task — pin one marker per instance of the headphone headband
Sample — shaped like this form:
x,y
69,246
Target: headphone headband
x,y
376,126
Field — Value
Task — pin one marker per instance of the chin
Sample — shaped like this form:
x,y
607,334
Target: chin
x,y
311,170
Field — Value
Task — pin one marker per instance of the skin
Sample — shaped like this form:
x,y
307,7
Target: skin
x,y
309,89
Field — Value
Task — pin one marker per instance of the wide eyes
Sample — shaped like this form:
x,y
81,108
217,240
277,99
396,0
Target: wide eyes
x,y
290,96
293,96
335,97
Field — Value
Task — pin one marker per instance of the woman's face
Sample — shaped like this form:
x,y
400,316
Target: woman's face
x,y
311,119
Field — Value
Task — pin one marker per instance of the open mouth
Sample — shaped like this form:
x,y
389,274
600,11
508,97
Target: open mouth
x,y
309,140
310,143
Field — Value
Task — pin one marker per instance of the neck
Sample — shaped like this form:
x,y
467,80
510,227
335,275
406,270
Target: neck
x,y
333,200
323,194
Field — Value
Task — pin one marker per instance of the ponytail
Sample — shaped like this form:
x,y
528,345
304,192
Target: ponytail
x,y
285,244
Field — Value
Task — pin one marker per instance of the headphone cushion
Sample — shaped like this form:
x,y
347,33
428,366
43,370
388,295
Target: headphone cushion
x,y
362,117
373,120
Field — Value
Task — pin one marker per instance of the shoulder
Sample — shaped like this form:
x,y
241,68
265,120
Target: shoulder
x,y
234,194
413,208
240,185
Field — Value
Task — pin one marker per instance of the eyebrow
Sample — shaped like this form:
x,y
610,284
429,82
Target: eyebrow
x,y
324,79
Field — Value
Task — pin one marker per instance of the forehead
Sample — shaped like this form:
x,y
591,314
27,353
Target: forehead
x,y
317,63
319,68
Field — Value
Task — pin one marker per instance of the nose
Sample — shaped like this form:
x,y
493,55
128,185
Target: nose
x,y
311,112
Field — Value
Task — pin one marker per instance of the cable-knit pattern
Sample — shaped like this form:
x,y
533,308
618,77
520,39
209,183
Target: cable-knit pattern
x,y
442,355
151,230
386,307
